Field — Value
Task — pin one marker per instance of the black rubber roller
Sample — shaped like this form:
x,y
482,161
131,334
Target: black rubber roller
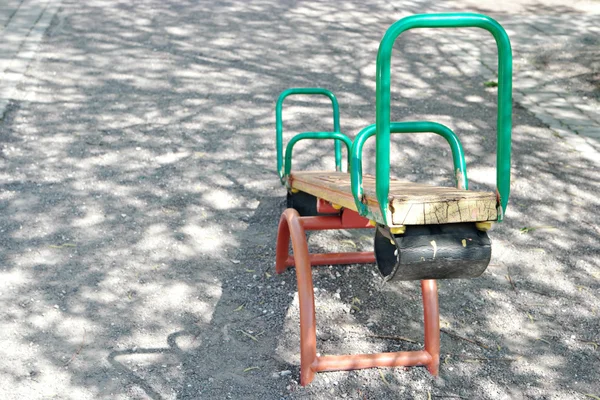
x,y
304,203
449,251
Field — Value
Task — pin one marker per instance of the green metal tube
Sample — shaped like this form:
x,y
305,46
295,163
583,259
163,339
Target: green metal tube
x,y
458,20
458,155
279,124
337,136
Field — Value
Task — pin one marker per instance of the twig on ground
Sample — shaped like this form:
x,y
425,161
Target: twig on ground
x,y
594,344
399,338
468,358
248,335
474,341
543,293
78,350
510,280
383,377
592,225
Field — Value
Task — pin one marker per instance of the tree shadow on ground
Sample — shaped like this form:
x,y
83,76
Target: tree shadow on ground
x,y
140,206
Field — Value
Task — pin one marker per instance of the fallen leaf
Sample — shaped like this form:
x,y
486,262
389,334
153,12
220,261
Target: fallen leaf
x,y
543,340
464,242
250,369
235,261
268,275
591,396
240,308
530,318
490,84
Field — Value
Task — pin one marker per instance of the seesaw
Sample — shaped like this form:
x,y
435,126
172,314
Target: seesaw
x,y
422,232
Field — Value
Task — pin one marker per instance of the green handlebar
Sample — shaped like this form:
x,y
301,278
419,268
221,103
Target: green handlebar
x,y
279,124
337,136
458,155
457,20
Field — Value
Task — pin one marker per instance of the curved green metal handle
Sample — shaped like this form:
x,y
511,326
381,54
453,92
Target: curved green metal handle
x,y
384,55
338,136
458,156
279,124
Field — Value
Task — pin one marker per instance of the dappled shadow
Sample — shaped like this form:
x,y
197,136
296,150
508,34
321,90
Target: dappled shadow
x,y
139,205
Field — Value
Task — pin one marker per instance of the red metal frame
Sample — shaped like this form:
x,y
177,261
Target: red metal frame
x,y
292,226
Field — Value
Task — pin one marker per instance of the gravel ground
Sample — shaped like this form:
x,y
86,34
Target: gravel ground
x,y
139,206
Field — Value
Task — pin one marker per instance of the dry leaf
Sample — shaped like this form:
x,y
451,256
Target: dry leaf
x,y
350,242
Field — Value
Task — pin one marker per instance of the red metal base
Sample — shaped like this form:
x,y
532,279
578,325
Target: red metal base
x,y
292,226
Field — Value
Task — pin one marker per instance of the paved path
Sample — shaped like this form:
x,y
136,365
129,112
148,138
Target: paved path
x,y
547,91
22,27
23,22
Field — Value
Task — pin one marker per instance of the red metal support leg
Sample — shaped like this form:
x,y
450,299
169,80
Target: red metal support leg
x,y
431,319
347,219
291,226
308,328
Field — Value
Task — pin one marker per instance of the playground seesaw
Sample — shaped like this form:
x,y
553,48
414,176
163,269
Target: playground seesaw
x,y
422,232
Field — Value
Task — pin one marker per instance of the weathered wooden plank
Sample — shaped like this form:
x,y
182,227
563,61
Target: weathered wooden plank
x,y
410,203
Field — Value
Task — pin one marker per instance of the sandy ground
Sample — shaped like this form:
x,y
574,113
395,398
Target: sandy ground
x,y
139,205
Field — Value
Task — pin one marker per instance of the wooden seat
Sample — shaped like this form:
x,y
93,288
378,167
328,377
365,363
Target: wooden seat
x,y
410,203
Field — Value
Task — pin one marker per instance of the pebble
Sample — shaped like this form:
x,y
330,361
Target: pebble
x,y
285,372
